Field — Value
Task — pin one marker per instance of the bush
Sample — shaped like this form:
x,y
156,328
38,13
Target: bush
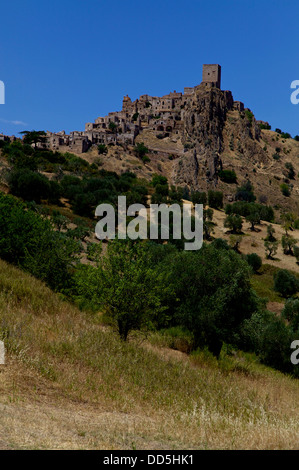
x,y
141,150
291,313
249,115
291,172
198,197
102,149
285,189
245,192
246,208
275,345
210,305
285,283
159,179
255,261
264,125
228,176
215,199
32,186
28,240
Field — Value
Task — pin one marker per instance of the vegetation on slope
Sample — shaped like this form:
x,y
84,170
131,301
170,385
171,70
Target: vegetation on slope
x,y
107,393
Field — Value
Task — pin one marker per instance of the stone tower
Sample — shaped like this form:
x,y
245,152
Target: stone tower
x,y
126,102
211,73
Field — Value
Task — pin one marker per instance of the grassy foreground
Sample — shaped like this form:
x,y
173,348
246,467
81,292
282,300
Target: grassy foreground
x,y
71,383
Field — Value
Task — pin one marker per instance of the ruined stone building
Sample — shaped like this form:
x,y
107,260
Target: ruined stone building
x,y
165,116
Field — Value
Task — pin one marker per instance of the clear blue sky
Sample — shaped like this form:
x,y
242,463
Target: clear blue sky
x,y
67,62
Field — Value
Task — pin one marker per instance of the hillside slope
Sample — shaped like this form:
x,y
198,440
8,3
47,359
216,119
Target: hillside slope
x,y
71,383
215,136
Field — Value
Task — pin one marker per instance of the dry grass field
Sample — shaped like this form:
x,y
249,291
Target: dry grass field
x,y
70,383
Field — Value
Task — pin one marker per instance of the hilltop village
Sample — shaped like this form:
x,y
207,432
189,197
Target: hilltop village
x,y
162,115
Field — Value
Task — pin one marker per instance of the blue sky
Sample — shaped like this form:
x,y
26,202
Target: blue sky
x,y
66,62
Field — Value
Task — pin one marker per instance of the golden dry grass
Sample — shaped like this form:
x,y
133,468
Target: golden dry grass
x,y
71,384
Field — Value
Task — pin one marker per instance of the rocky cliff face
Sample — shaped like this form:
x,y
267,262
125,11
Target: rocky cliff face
x,y
205,119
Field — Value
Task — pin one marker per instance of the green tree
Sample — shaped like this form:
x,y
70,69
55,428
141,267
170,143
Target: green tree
x,y
208,223
288,243
270,233
255,261
291,172
215,295
235,242
234,223
288,221
271,248
34,137
285,189
253,218
245,192
141,150
286,283
291,313
130,287
228,176
215,199
102,149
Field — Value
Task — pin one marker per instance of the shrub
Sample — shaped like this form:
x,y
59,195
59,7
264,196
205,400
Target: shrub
x,y
291,172
291,313
32,186
245,192
102,149
228,176
244,209
264,125
285,189
285,283
198,197
255,261
28,240
141,150
275,345
159,179
215,199
249,115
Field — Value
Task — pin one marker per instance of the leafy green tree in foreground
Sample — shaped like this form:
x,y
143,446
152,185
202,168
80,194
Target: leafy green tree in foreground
x,y
215,295
129,287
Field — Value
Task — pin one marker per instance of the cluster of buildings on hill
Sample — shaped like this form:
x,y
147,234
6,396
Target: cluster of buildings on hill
x,y
163,115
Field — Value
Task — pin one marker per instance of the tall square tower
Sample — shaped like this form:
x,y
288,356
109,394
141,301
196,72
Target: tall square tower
x,y
211,73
